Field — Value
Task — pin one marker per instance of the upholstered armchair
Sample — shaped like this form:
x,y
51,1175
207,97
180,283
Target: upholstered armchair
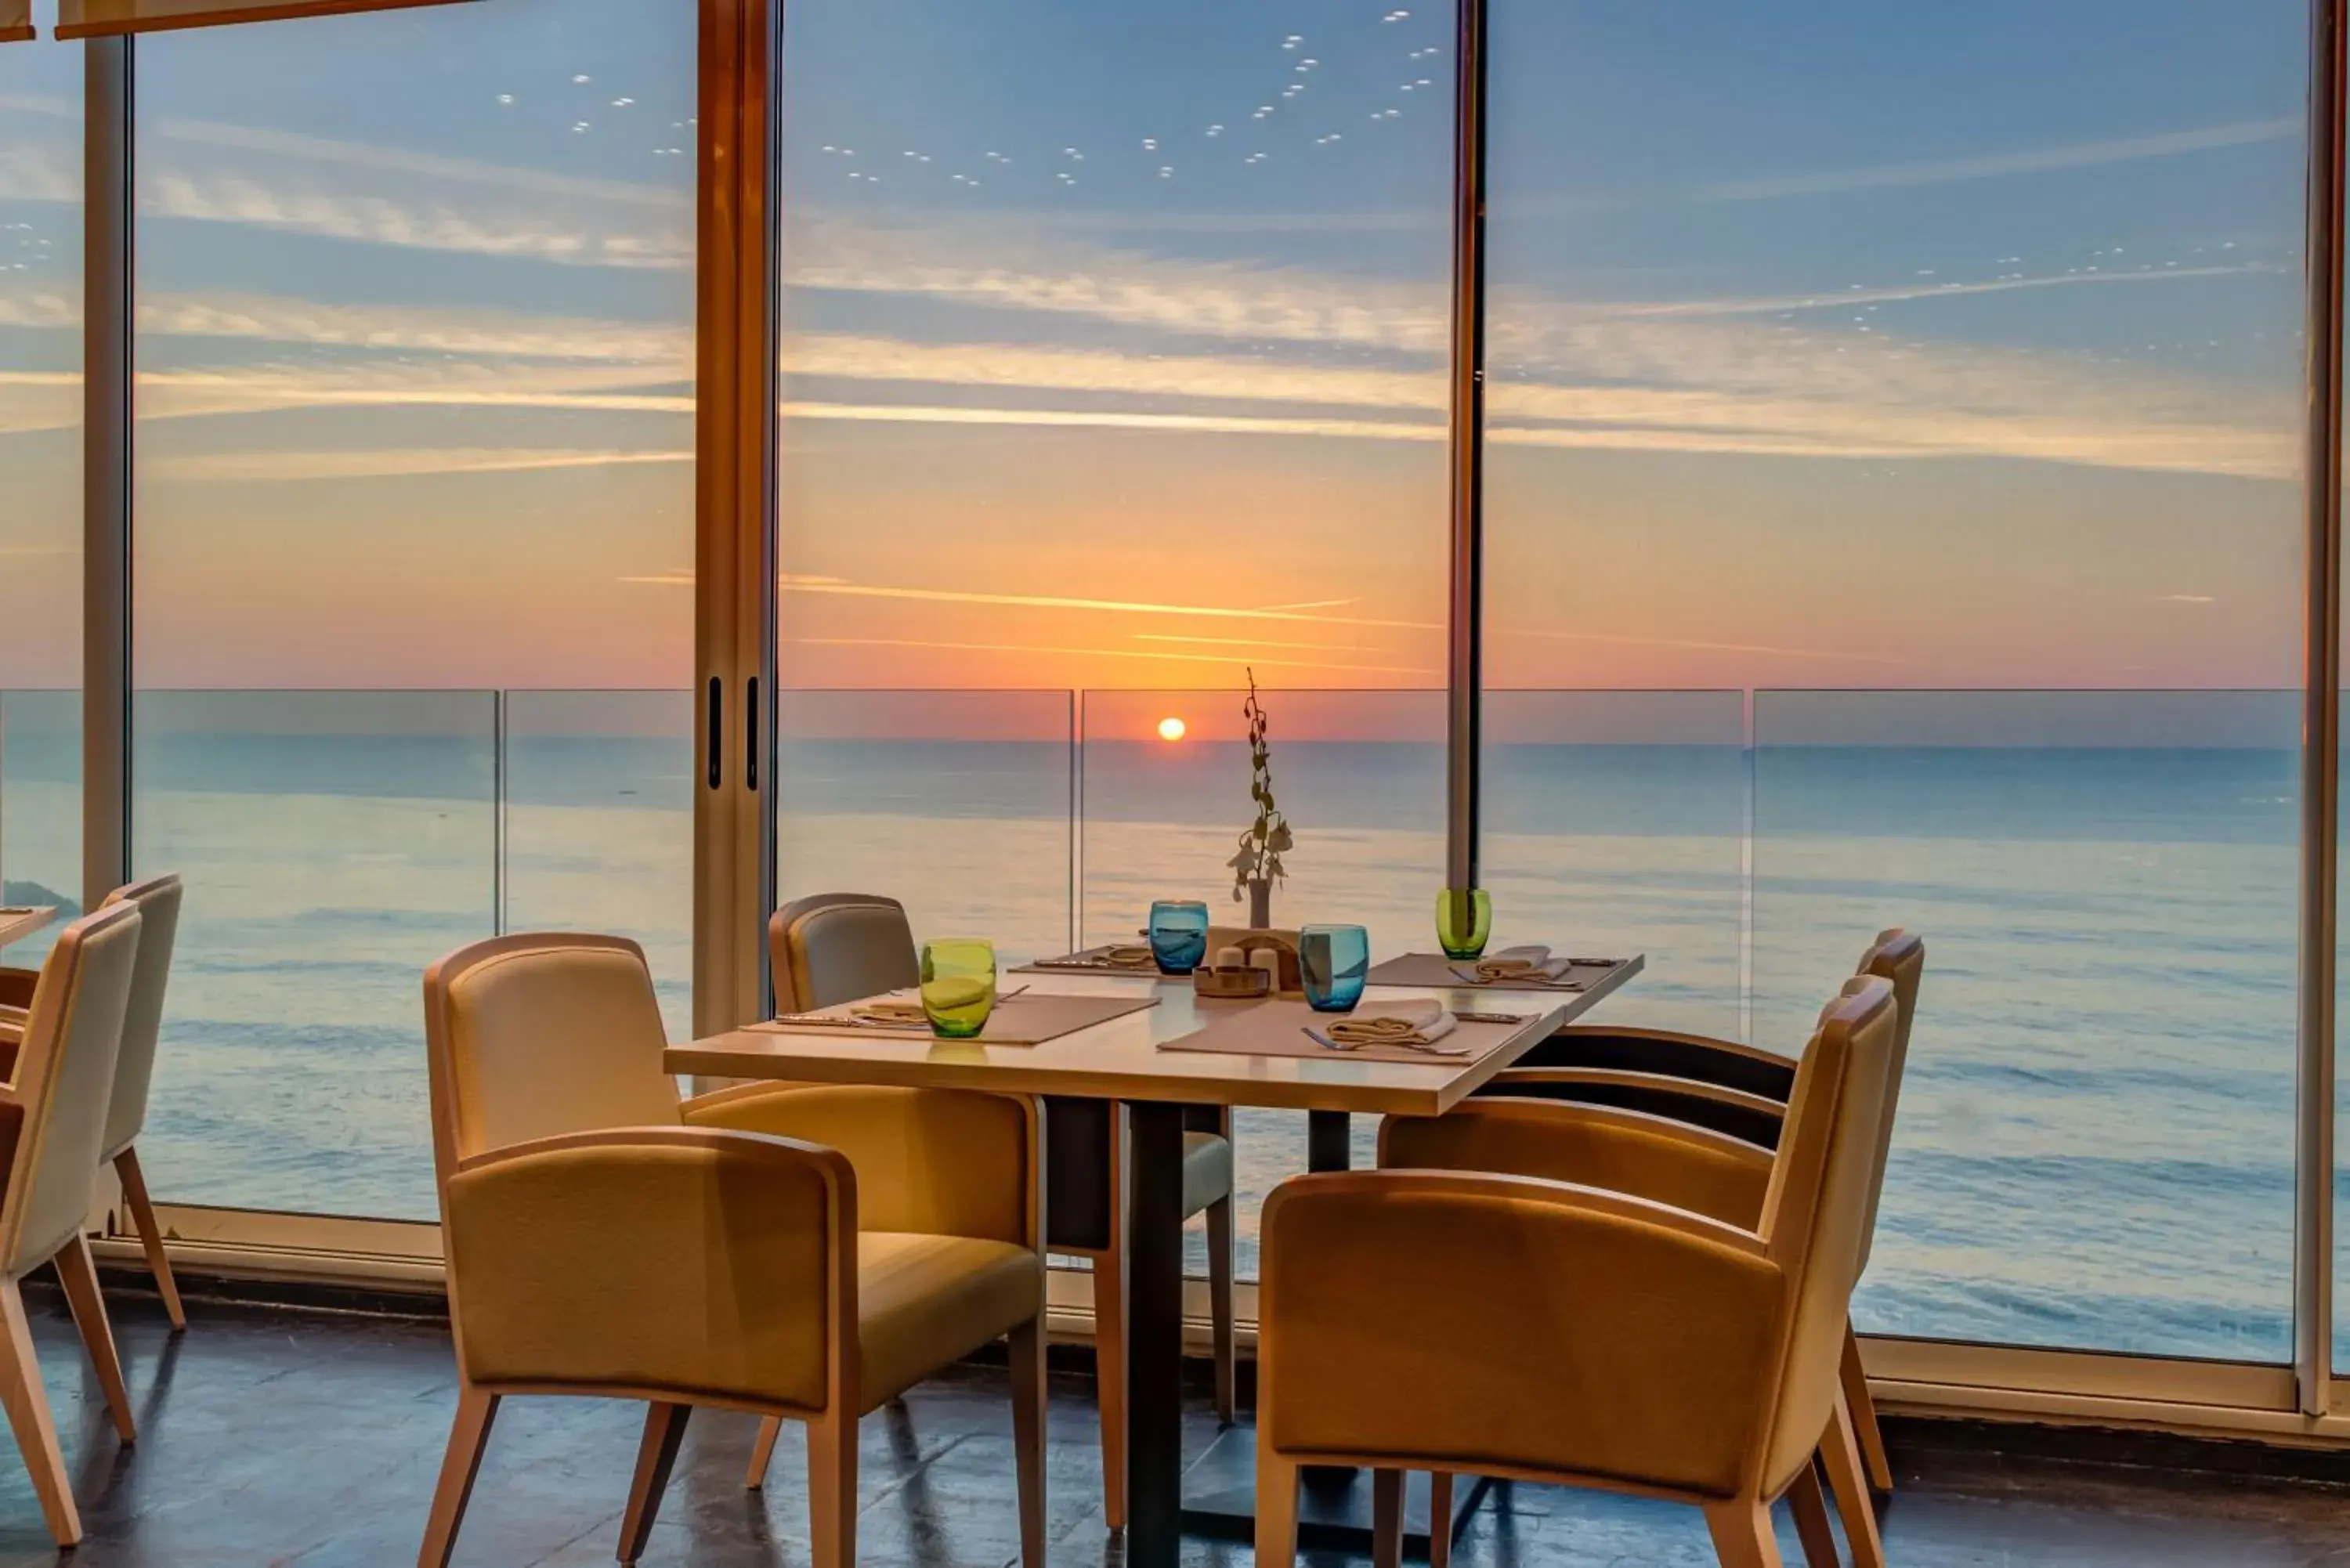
x,y
1733,1088
1580,1334
158,902
604,1239
53,1124
832,948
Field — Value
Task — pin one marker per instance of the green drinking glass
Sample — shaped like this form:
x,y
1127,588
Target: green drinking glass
x,y
958,986
1463,922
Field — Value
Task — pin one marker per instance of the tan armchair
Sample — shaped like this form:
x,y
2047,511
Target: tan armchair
x,y
158,901
1550,1331
799,1253
832,948
52,1123
1730,1087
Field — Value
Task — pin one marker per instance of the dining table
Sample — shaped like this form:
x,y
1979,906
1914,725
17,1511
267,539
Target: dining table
x,y
18,921
1136,1059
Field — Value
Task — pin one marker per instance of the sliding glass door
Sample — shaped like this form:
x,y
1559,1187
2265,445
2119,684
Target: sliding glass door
x,y
1114,348
414,546
40,483
1929,383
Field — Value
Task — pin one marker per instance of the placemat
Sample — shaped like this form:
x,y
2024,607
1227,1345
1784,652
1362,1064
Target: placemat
x,y
1434,970
1091,960
1029,1020
1278,1029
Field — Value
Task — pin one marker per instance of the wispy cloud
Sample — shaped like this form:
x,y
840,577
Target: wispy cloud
x,y
1220,660
392,462
2000,165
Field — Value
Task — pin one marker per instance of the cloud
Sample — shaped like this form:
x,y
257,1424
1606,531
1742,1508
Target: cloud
x,y
2000,165
1415,670
391,463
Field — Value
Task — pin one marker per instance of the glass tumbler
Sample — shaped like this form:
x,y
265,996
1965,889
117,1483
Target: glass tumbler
x,y
1464,923
958,986
1331,961
1178,935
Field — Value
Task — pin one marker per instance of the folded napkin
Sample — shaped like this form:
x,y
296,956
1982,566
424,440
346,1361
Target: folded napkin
x,y
1522,963
1129,956
1396,1023
892,1014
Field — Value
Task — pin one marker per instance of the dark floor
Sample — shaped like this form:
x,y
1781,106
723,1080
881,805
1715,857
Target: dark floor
x,y
277,1438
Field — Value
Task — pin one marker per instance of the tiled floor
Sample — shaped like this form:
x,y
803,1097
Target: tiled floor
x,y
272,1438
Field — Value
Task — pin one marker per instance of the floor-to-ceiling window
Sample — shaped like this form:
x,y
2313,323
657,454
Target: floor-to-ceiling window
x,y
1114,369
1928,381
413,548
40,482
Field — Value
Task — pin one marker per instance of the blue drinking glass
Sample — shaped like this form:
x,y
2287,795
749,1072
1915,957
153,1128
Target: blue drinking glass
x,y
1333,961
1178,935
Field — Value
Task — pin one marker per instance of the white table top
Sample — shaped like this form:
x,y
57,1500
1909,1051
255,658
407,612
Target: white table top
x,y
1119,1060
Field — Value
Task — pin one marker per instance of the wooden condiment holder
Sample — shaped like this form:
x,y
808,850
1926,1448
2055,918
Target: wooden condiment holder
x,y
1253,941
1231,985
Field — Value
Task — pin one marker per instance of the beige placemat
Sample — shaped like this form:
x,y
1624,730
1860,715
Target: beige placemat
x,y
1029,1020
1093,961
1278,1029
1433,969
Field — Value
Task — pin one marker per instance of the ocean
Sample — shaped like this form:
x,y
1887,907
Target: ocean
x,y
2095,1143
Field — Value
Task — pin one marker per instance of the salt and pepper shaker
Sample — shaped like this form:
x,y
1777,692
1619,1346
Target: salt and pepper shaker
x,y
1269,961
1230,958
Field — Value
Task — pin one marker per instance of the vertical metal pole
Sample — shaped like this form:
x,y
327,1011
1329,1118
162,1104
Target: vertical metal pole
x,y
735,469
1465,665
2321,739
106,251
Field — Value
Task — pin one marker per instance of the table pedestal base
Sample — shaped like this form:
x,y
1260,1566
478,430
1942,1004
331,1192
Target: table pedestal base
x,y
1334,1506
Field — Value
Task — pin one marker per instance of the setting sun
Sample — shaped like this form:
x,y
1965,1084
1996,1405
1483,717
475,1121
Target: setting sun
x,y
1171,728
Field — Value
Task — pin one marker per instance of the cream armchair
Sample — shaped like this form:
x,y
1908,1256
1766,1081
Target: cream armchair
x,y
831,947
605,1240
1557,1332
53,1121
158,902
1738,1089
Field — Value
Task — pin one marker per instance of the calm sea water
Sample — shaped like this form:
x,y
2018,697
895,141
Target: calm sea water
x,y
2095,1147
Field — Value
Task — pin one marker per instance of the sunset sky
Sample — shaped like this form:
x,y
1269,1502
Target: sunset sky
x,y
1831,345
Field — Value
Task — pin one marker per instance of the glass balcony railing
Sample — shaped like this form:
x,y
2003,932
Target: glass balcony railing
x,y
2095,1142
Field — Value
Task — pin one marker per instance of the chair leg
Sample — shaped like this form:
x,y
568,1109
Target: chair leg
x,y
832,1491
469,1435
1109,1379
763,1451
655,1457
151,1234
1439,1518
28,1416
1276,1508
1742,1537
1027,1346
1220,1307
1840,1447
77,1271
1809,1507
1386,1518
1864,1414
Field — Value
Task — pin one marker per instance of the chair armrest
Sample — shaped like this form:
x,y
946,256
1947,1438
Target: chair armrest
x,y
1513,1324
645,1259
936,1162
17,986
1731,1112
1699,1056
1627,1151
